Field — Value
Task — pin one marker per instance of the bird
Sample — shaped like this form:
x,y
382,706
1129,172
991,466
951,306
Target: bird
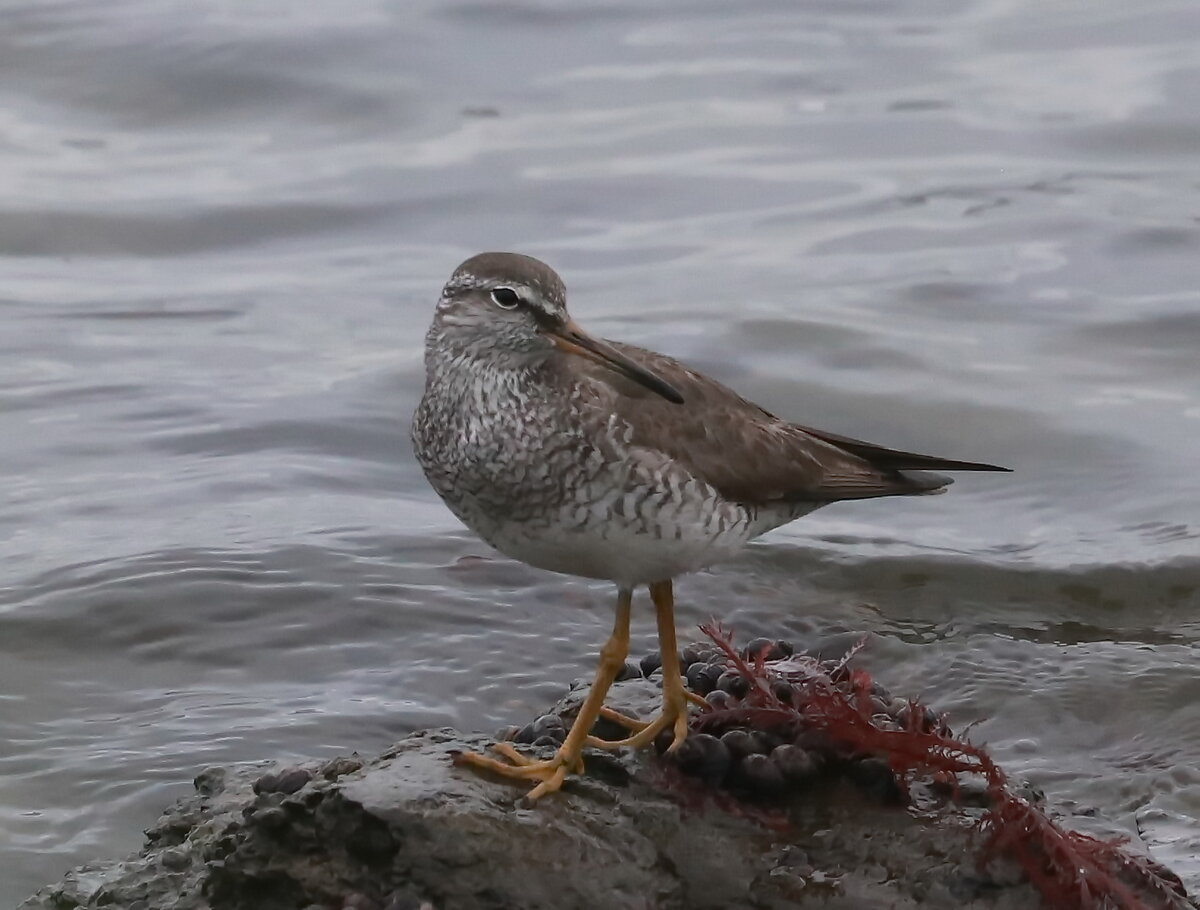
x,y
604,460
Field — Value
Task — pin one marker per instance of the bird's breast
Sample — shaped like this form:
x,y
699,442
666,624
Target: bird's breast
x,y
550,482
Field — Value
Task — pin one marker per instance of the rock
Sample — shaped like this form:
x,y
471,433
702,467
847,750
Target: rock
x,y
340,766
285,780
174,858
408,830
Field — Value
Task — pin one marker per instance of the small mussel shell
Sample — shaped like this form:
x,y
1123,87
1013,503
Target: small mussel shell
x,y
663,741
784,692
818,743
734,683
720,700
756,646
549,725
548,722
704,756
696,653
796,763
650,663
631,670
546,725
879,705
702,678
759,776
767,649
741,743
896,705
875,776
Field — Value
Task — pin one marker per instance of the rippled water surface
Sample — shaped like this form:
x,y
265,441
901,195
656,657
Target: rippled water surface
x,y
970,229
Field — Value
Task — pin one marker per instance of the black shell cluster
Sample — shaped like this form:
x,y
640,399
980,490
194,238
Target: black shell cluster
x,y
725,750
766,764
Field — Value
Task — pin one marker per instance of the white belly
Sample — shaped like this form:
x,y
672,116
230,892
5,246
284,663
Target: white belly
x,y
622,555
627,553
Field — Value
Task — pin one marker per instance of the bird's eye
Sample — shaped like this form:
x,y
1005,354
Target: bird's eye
x,y
505,298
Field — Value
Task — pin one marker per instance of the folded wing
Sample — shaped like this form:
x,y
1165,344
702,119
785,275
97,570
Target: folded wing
x,y
751,456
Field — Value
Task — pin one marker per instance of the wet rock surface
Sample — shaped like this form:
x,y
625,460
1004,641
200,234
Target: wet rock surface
x,y
407,830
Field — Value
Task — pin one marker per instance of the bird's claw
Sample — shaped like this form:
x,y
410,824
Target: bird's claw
x,y
550,772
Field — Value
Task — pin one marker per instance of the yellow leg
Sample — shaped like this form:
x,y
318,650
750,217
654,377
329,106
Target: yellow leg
x,y
569,757
675,697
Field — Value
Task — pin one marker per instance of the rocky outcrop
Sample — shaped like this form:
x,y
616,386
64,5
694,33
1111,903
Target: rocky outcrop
x,y
408,830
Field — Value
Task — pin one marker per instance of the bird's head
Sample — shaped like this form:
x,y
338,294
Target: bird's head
x,y
512,309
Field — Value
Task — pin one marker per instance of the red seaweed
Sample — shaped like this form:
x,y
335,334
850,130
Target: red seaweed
x,y
1073,871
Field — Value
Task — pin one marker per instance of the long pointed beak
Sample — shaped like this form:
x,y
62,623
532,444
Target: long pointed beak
x,y
574,340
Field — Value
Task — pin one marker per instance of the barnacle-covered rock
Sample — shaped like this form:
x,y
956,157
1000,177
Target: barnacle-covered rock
x,y
408,830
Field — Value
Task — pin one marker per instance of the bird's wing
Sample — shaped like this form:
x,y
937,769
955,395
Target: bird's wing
x,y
746,453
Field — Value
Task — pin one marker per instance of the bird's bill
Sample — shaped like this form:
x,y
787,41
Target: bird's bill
x,y
574,340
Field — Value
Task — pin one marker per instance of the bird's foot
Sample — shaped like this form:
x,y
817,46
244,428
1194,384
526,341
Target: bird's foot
x,y
549,772
674,716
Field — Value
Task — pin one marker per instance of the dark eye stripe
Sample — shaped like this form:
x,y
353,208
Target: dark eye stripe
x,y
506,298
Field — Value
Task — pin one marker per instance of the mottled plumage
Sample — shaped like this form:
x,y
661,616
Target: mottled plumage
x,y
609,461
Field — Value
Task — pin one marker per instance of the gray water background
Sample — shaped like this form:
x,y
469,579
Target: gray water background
x,y
964,228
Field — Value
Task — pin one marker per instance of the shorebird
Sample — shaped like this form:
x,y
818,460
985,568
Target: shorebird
x,y
609,461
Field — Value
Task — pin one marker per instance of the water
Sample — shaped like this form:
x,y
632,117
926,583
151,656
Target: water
x,y
968,229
